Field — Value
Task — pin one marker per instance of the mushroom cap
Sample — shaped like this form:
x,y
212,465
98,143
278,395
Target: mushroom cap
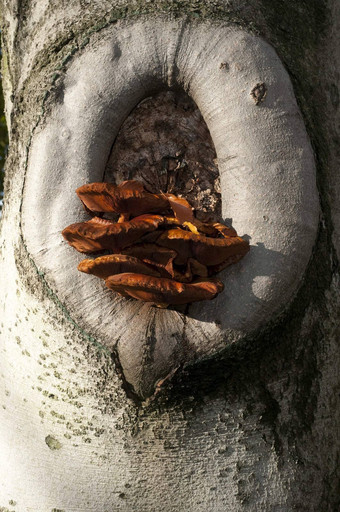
x,y
153,254
160,290
100,234
224,230
181,208
206,250
105,266
157,259
163,259
215,269
193,268
128,197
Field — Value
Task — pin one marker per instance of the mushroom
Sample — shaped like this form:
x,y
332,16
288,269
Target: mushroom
x,y
193,268
208,251
111,264
155,257
163,291
128,197
181,208
224,230
163,259
99,234
160,257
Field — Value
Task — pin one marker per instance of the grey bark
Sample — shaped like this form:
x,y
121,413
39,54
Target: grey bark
x,y
267,181
256,428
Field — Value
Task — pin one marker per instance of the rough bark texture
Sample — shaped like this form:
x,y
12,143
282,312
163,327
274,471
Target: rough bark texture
x,y
252,430
165,143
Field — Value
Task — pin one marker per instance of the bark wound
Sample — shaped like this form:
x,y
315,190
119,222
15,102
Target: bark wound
x,y
166,144
258,93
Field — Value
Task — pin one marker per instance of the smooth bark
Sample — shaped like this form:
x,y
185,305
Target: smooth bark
x,y
256,428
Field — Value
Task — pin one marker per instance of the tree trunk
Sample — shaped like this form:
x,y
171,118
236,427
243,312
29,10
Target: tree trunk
x,y
254,426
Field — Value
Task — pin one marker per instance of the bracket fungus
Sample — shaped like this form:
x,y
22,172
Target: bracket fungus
x,y
175,268
128,197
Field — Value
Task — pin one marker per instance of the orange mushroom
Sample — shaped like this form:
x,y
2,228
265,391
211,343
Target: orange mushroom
x,y
208,251
163,291
100,234
210,229
181,208
160,257
224,230
128,197
163,259
214,269
111,264
193,268
155,257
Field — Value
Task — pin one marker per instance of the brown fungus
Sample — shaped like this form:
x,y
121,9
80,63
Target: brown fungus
x,y
108,265
163,259
162,291
155,257
160,257
208,251
128,197
187,273
181,208
100,234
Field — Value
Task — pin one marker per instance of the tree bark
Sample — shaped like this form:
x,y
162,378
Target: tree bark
x,y
254,428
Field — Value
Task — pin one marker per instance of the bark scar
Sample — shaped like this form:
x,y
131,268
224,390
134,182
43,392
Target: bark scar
x,y
259,92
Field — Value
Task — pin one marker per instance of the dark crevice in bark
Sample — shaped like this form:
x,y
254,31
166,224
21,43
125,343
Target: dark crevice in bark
x,y
130,393
270,417
165,143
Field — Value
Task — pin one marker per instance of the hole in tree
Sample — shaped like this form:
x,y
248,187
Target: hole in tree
x,y
166,144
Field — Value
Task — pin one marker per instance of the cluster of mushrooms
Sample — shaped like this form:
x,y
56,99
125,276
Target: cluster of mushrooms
x,y
156,251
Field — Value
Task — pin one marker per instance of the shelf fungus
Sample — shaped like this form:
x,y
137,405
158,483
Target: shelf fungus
x,y
158,251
